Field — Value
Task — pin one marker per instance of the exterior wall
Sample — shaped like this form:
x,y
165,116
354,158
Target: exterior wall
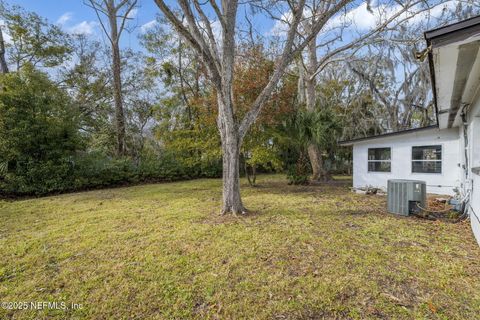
x,y
401,160
470,179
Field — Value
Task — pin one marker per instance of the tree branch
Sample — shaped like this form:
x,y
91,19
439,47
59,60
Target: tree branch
x,y
378,29
285,59
131,6
98,8
213,43
204,54
219,14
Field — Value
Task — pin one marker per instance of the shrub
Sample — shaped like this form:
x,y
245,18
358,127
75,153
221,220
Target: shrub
x,y
38,134
296,178
97,170
41,151
31,177
299,172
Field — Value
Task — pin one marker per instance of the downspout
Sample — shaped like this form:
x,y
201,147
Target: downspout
x,y
467,185
463,115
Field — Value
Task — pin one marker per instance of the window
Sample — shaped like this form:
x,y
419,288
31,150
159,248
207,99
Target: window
x,y
379,160
427,159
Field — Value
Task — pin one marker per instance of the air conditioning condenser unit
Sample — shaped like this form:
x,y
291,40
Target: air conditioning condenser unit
x,y
405,197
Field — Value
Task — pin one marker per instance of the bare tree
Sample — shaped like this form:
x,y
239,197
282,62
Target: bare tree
x,y
219,58
333,48
394,71
3,62
401,85
117,13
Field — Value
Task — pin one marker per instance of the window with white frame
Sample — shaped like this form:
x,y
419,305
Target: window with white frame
x,y
379,160
427,159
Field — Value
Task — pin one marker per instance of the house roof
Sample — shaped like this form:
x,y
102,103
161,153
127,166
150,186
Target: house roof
x,y
453,31
453,54
383,135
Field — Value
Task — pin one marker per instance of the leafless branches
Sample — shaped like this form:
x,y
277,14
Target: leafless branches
x,y
119,11
117,14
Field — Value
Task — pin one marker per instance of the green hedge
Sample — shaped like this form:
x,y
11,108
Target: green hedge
x,y
90,171
42,151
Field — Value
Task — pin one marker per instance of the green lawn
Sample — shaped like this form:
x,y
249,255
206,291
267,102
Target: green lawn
x,y
162,252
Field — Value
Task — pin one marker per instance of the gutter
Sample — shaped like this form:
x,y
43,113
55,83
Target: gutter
x,y
388,134
432,75
445,35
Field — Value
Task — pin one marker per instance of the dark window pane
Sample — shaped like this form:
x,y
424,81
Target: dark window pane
x,y
427,166
427,153
379,154
379,166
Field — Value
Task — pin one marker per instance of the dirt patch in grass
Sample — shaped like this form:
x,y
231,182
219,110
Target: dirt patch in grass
x,y
303,252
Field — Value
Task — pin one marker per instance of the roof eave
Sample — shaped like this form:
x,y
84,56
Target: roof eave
x,y
443,36
386,135
431,66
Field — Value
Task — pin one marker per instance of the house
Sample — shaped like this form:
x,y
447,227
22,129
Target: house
x,y
447,155
429,154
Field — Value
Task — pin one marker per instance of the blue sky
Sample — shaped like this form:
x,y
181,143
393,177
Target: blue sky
x,y
78,16
74,15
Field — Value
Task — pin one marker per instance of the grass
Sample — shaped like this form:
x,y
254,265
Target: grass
x,y
162,252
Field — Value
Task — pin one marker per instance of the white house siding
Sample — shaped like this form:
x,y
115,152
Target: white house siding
x,y
472,180
401,163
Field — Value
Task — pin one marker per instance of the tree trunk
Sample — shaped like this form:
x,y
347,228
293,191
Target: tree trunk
x,y
314,153
117,86
232,201
301,82
119,114
252,178
254,175
115,10
316,161
231,143
3,62
247,174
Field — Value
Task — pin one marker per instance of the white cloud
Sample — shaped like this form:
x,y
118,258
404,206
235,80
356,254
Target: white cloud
x,y
436,12
361,19
280,28
133,13
147,26
84,27
64,18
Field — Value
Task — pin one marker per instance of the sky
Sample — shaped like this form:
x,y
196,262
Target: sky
x,y
75,16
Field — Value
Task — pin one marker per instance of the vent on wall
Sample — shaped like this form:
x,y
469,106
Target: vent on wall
x,y
405,197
